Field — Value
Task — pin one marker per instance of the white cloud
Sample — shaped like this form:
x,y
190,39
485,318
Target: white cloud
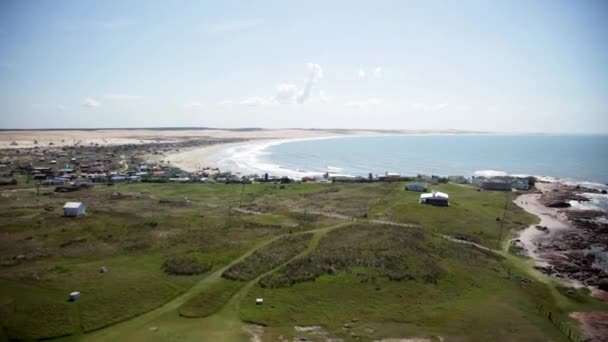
x,y
91,103
121,96
375,72
225,103
289,93
193,105
362,74
428,107
324,97
259,101
60,107
233,26
434,107
315,73
365,103
378,72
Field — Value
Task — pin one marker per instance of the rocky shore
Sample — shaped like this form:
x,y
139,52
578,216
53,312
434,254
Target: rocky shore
x,y
569,243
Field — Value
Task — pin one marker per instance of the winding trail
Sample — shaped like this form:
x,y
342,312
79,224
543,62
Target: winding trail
x,y
165,324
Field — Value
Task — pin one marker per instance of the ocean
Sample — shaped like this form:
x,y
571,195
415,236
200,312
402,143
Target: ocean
x,y
577,158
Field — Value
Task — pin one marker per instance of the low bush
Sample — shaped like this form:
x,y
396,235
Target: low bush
x,y
185,266
392,252
268,257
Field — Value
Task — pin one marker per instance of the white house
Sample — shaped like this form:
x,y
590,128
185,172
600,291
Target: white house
x,y
521,184
73,209
435,198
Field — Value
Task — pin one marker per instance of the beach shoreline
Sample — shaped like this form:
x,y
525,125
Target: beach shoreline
x,y
559,244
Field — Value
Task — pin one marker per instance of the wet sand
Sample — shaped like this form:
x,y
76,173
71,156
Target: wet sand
x,y
551,218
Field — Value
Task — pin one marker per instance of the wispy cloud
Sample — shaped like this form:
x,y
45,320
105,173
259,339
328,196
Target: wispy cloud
x,y
91,103
315,73
435,107
226,103
378,71
121,96
361,73
233,26
365,103
289,93
194,104
60,107
259,101
375,72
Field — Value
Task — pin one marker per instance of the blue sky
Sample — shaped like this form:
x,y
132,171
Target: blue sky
x,y
525,66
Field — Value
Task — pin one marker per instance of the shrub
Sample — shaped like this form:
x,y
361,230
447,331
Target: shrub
x,y
185,266
269,257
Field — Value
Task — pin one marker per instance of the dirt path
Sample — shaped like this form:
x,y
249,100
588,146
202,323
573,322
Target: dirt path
x,y
164,323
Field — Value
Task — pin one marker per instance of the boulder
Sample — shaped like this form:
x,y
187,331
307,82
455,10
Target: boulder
x,y
603,284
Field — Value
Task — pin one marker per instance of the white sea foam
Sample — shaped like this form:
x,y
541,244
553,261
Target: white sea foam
x,y
248,158
253,158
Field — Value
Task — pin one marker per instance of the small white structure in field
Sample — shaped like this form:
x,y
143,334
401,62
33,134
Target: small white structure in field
x,y
74,209
74,296
435,198
259,301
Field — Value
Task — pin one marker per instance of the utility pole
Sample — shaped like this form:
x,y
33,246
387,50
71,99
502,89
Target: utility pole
x,y
242,191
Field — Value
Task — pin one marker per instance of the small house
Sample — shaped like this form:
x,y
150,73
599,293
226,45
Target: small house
x,y
521,184
435,198
259,301
420,187
495,184
74,209
458,179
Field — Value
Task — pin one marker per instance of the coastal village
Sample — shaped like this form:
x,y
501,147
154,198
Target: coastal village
x,y
76,166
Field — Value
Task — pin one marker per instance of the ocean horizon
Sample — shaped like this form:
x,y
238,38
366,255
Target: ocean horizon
x,y
565,157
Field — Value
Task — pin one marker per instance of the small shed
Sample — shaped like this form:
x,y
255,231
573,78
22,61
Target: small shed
x,y
416,187
74,209
259,301
435,198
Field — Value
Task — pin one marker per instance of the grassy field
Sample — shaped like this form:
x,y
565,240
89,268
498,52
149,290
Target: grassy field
x,y
282,244
372,277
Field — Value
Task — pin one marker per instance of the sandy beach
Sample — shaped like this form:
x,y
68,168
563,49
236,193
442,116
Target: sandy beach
x,y
28,138
555,222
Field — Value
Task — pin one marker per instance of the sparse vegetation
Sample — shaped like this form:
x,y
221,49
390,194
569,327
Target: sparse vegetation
x,y
185,266
371,251
268,257
412,281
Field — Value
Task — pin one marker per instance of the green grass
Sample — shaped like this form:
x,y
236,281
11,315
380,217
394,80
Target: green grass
x,y
473,297
395,281
210,300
